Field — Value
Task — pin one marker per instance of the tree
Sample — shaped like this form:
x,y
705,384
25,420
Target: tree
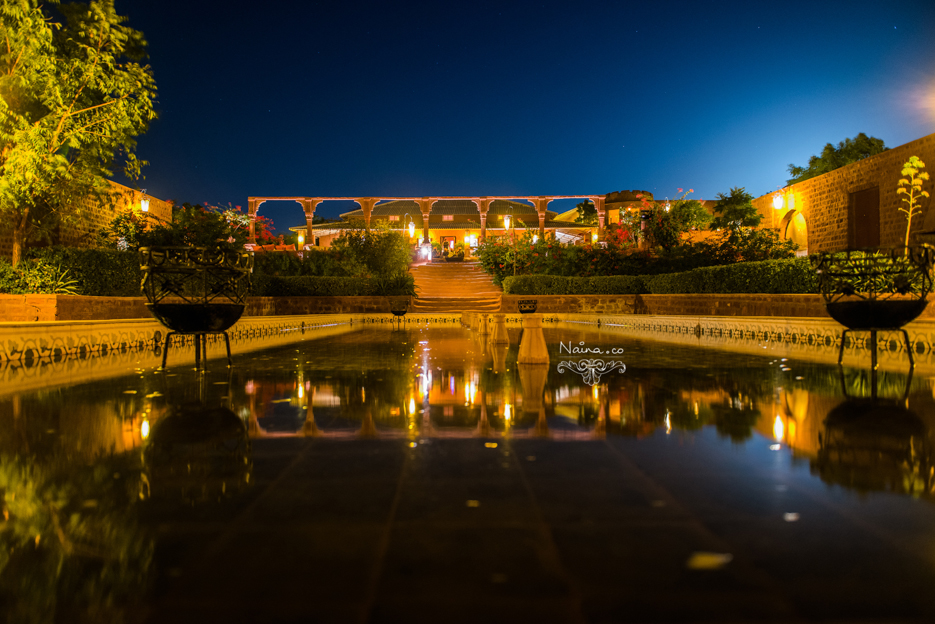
x,y
75,97
735,212
587,213
847,151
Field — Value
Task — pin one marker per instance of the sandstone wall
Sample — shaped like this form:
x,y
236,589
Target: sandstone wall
x,y
91,217
824,200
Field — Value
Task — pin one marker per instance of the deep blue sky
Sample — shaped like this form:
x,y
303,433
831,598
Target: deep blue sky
x,y
527,98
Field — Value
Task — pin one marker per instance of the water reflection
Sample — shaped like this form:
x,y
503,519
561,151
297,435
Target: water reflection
x,y
450,382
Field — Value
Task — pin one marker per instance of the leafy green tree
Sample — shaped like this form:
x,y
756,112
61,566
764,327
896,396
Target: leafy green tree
x,y
587,213
735,212
75,97
846,152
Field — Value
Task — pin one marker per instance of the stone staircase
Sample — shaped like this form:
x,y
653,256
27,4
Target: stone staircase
x,y
450,287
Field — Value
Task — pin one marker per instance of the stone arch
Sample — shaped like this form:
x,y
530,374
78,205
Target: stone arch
x,y
795,228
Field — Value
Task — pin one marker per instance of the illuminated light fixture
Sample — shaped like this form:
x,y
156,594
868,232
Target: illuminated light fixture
x,y
777,201
144,203
535,239
301,392
507,412
144,429
778,429
412,407
668,205
412,228
301,239
594,237
506,222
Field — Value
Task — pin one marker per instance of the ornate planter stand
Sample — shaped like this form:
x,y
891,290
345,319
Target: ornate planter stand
x,y
875,290
195,291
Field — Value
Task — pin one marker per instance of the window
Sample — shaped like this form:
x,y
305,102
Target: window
x,y
448,217
394,217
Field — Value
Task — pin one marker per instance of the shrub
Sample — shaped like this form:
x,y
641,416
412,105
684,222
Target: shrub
x,y
768,276
558,285
97,272
312,286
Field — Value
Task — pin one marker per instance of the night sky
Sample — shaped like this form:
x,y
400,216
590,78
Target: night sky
x,y
519,98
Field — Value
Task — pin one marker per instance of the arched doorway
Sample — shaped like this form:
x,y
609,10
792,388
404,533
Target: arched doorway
x,y
794,228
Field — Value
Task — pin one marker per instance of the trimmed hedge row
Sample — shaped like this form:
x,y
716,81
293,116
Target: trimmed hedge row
x,y
558,285
310,286
98,272
790,276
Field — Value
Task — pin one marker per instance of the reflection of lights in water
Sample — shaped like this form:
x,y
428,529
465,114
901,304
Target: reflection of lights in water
x,y
363,395
412,406
668,423
144,429
301,392
595,391
775,447
696,409
778,429
308,386
250,388
471,391
507,411
451,384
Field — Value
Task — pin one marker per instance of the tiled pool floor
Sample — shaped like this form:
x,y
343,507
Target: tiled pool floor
x,y
421,475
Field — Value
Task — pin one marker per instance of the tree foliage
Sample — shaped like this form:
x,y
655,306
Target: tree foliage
x,y
913,169
833,157
587,213
75,96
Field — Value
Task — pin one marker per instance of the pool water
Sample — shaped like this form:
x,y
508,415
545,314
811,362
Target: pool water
x,y
421,473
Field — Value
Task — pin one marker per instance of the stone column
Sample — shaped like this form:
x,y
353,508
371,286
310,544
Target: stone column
x,y
542,204
483,206
366,204
532,347
308,206
253,204
601,216
425,205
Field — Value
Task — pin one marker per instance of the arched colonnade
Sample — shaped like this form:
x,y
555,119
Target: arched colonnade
x,y
425,204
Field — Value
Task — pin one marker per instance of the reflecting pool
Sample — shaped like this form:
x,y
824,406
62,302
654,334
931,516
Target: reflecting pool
x,y
377,473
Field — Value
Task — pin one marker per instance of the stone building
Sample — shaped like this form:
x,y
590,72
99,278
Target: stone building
x,y
93,216
855,206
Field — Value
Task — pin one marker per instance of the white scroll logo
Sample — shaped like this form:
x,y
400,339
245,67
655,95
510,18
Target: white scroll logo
x,y
591,370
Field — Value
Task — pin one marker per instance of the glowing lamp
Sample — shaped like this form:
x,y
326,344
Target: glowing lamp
x,y
412,406
778,429
301,239
507,412
412,229
144,429
506,221
777,201
144,205
535,239
594,237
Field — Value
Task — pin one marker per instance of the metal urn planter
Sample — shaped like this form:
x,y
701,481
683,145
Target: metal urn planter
x,y
195,291
875,290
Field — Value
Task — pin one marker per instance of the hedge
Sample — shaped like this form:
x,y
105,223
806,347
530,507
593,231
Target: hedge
x,y
310,286
557,285
790,276
794,275
98,272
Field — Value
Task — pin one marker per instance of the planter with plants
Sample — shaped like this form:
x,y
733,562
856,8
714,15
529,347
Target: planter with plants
x,y
880,289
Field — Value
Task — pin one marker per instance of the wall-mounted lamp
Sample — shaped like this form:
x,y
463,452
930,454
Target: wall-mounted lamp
x,y
668,205
506,222
144,202
777,201
412,226
301,236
